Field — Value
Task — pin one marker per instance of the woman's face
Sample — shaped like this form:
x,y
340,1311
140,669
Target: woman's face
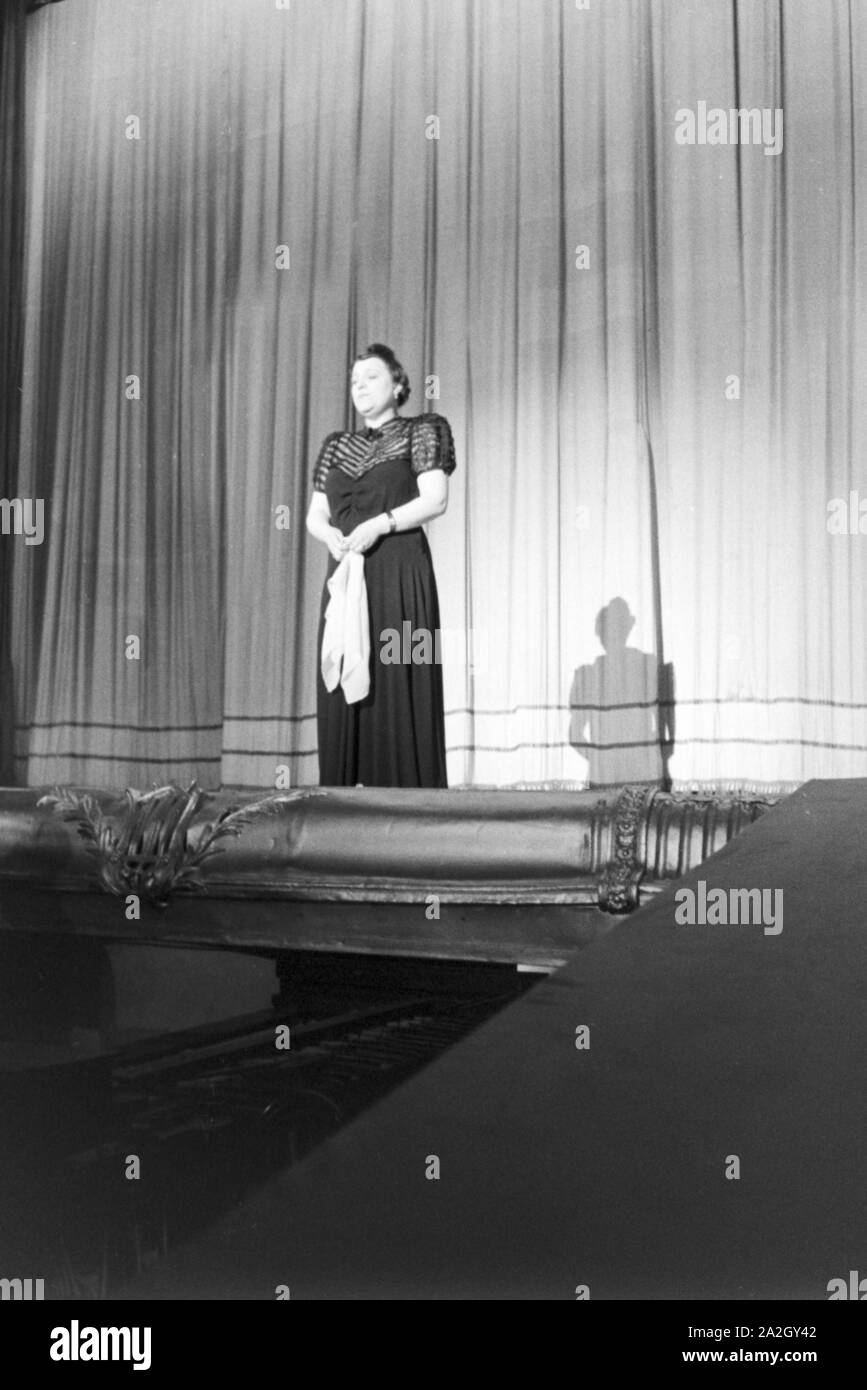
x,y
372,387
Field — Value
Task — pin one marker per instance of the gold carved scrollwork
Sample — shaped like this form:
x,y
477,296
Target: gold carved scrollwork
x,y
619,884
148,843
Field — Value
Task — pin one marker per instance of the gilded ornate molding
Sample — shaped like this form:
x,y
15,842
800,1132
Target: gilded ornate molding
x,y
658,836
609,848
147,843
618,888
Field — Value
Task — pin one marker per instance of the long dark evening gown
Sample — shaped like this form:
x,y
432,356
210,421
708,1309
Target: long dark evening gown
x,y
395,736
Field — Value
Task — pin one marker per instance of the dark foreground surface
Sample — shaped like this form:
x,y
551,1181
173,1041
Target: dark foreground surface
x,y
117,1144
709,1143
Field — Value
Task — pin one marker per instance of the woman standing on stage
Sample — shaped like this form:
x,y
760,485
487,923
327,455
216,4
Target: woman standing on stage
x,y
373,490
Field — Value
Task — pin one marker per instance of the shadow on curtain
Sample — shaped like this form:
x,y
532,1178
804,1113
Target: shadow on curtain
x,y
624,736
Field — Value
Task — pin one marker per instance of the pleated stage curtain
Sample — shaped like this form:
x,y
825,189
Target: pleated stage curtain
x,y
649,341
12,49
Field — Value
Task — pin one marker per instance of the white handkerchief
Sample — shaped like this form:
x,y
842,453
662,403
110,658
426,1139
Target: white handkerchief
x,y
346,639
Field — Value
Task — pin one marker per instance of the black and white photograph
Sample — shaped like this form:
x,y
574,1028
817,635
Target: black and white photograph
x,y
433,673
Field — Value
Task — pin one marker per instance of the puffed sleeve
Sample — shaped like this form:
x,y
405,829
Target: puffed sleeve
x,y
432,444
324,461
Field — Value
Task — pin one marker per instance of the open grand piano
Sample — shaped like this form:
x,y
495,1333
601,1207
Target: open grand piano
x,y
396,921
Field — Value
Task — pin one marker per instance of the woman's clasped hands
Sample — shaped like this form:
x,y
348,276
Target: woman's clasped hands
x,y
366,533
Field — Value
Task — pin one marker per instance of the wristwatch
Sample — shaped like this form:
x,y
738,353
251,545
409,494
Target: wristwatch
x,y
392,523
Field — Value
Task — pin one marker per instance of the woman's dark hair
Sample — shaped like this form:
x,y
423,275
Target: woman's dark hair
x,y
398,375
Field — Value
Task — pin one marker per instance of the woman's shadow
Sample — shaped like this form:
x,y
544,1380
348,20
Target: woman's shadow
x,y
622,707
